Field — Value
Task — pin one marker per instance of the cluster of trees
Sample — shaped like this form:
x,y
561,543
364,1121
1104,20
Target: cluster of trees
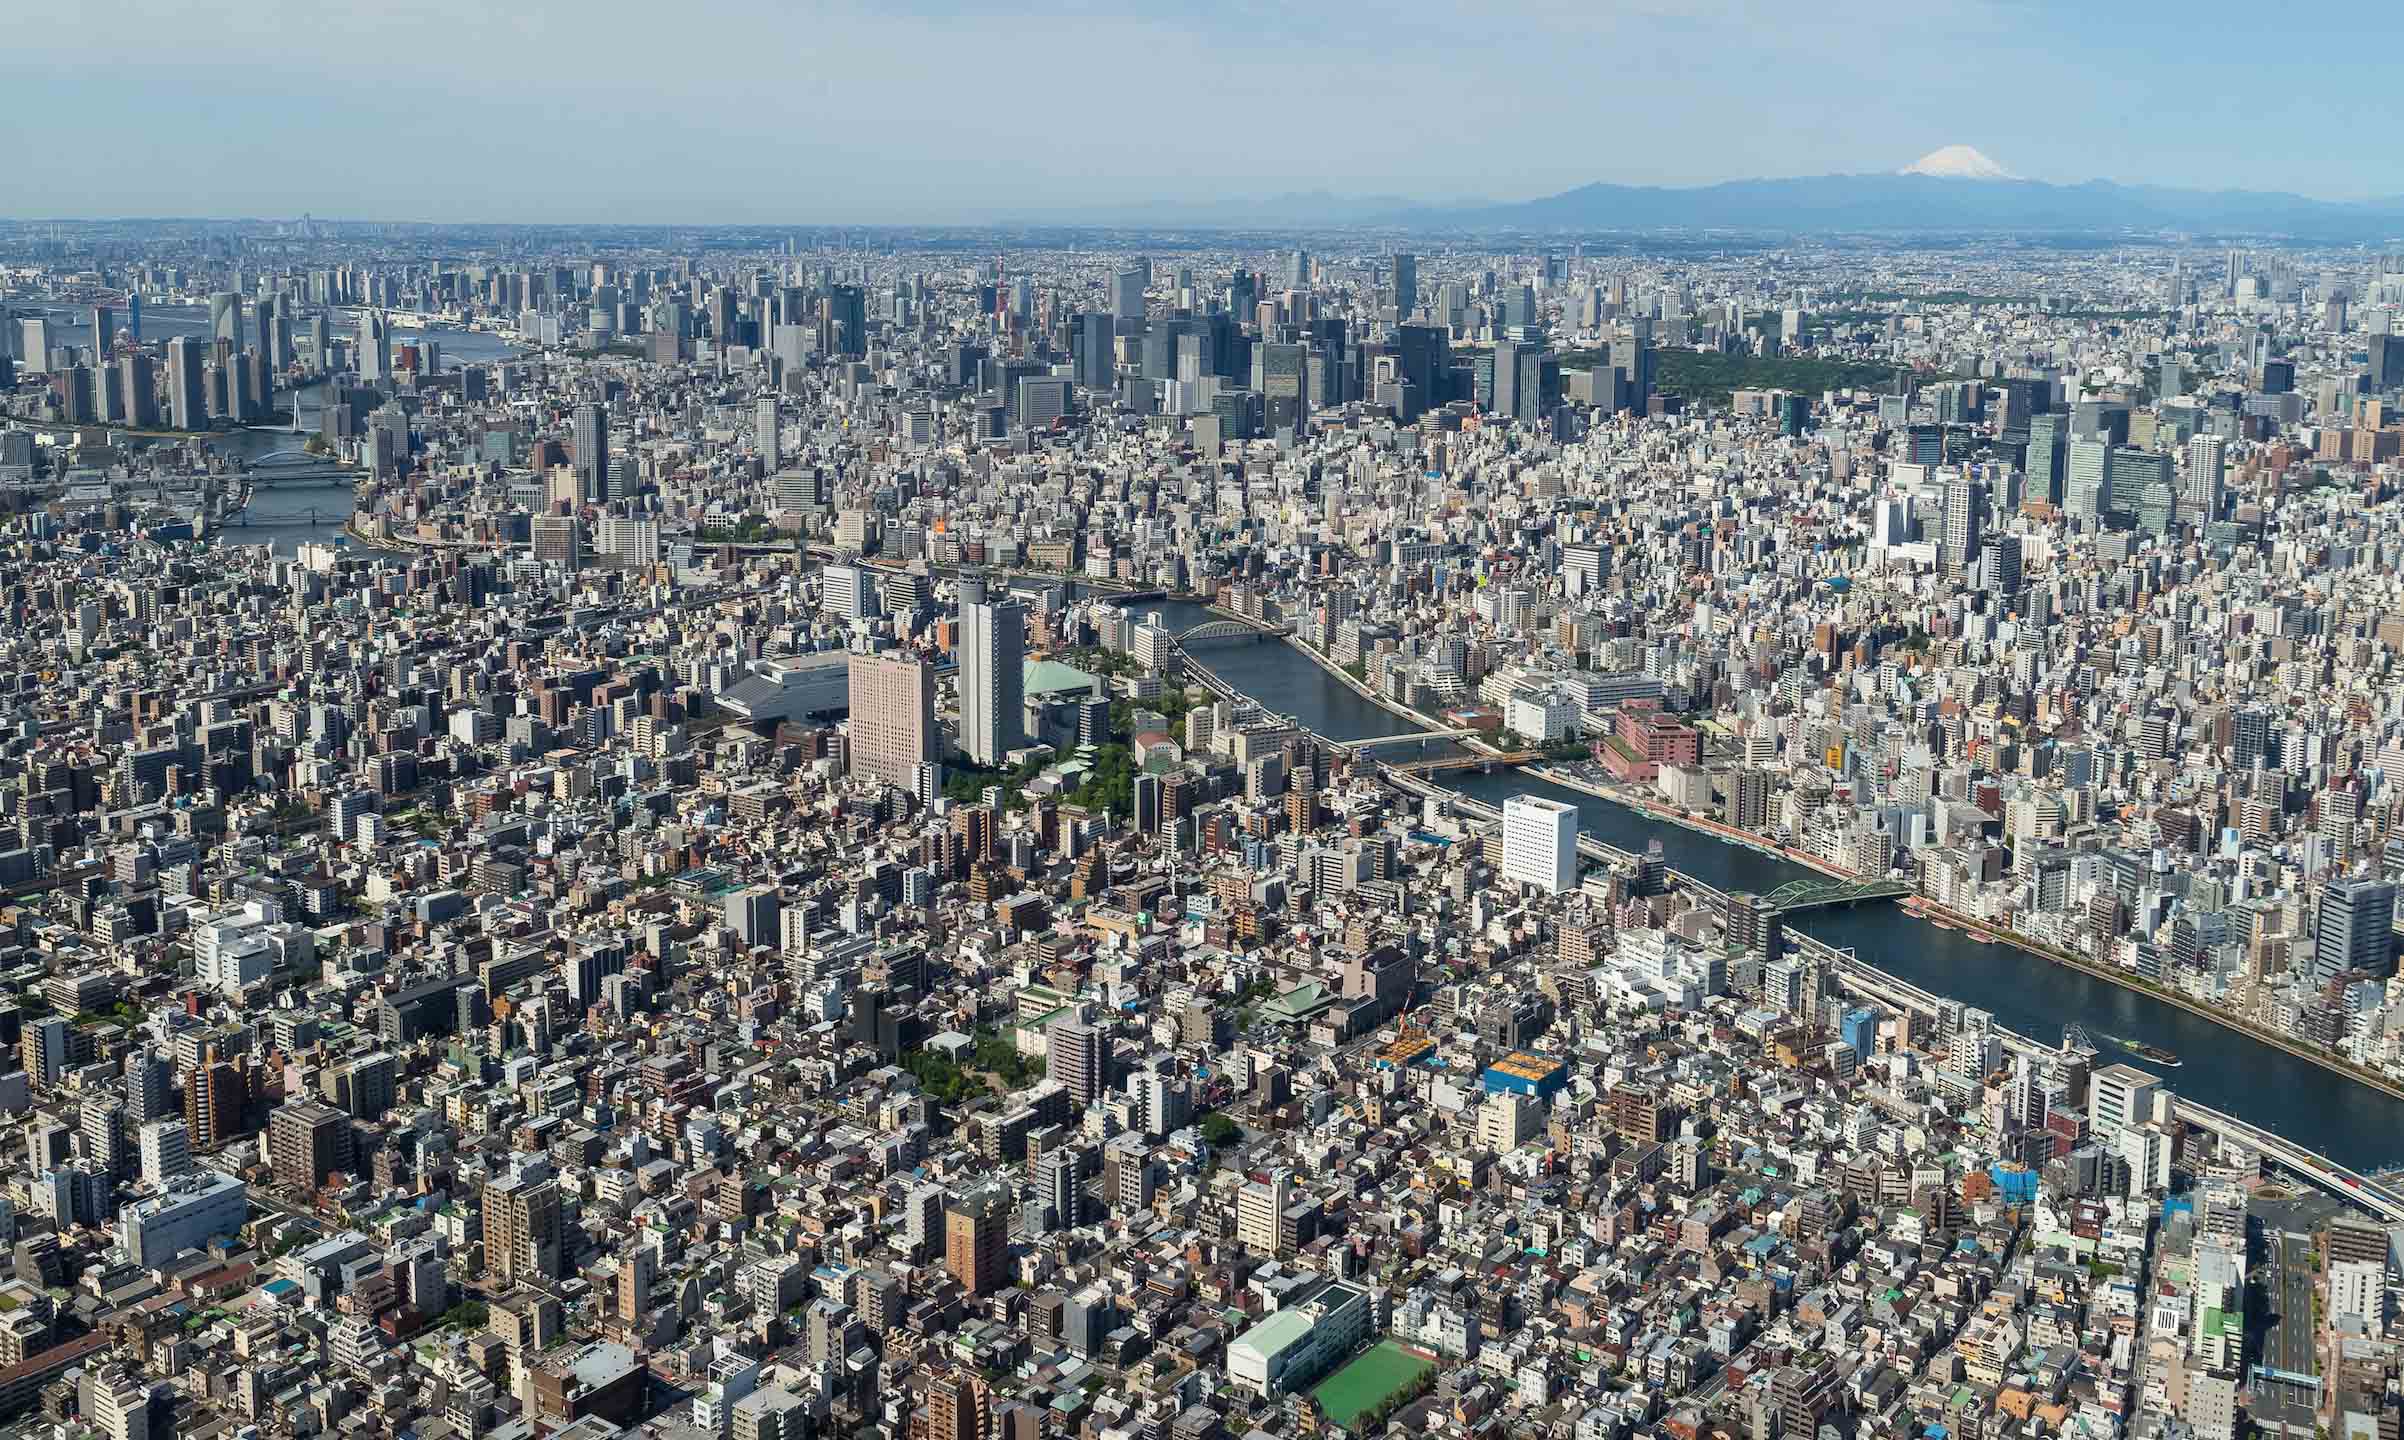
x,y
966,783
1711,379
996,1056
1110,784
754,529
943,1082
948,1083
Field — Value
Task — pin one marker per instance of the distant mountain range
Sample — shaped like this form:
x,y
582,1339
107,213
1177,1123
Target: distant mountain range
x,y
1924,202
1955,189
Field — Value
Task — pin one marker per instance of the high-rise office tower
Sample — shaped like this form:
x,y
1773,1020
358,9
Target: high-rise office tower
x,y
2354,929
993,642
187,396
1097,357
1965,514
2044,463
1519,380
1127,296
1632,362
892,717
2086,491
590,438
556,541
321,345
225,320
2207,475
1540,843
374,360
140,390
843,321
764,435
1284,384
1406,284
1999,564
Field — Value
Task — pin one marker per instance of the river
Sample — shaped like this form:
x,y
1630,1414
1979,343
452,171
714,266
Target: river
x,y
307,502
2292,1097
72,325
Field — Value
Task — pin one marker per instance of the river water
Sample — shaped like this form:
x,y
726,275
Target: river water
x,y
2347,1121
307,501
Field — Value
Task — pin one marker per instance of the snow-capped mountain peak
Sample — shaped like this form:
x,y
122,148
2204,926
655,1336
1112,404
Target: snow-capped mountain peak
x,y
1958,162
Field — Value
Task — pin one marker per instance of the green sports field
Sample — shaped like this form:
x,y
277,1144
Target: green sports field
x,y
1384,1370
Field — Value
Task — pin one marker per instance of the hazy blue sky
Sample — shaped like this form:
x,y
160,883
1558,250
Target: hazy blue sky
x,y
922,110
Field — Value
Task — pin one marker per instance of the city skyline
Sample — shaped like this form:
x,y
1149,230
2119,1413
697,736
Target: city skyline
x,y
1299,103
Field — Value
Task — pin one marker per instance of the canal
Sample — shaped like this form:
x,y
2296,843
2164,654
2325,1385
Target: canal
x,y
2342,1119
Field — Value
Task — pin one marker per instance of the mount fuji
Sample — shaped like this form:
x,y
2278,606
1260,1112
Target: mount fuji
x,y
1957,162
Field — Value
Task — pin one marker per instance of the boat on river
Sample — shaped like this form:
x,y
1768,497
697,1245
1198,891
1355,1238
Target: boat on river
x,y
2168,1059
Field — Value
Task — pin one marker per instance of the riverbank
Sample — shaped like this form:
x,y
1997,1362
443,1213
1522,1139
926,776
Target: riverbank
x,y
1725,834
1926,911
1353,683
2137,984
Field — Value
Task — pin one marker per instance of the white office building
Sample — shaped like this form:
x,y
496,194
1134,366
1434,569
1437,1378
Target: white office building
x,y
166,1151
192,1209
238,948
1540,843
993,646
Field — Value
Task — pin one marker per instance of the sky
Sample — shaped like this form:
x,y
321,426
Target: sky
x,y
925,111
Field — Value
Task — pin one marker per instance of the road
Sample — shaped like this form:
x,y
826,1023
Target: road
x,y
2289,1347
2283,1405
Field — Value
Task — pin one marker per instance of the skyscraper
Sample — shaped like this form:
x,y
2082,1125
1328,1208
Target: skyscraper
x,y
843,321
187,400
1965,514
1406,283
764,436
590,438
374,360
1127,296
1540,843
892,717
2086,492
1097,357
2207,475
1519,380
140,389
225,320
2044,464
993,642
